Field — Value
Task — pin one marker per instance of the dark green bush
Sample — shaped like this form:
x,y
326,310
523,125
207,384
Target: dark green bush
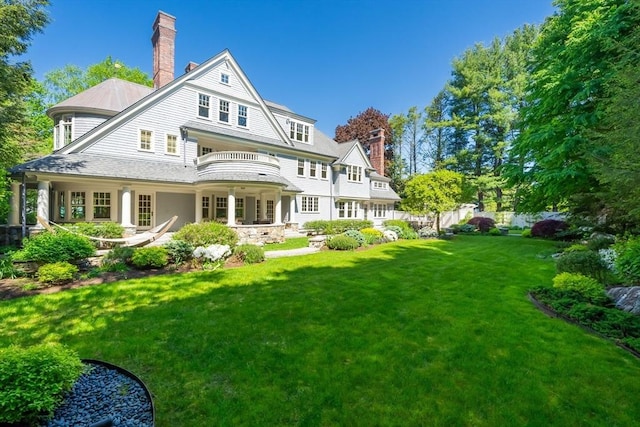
x,y
465,228
57,273
46,248
33,381
600,241
495,232
342,242
249,254
150,257
107,230
336,226
587,263
357,235
119,254
207,233
628,261
179,251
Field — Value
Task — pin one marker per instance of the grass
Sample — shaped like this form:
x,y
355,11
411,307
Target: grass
x,y
406,333
292,243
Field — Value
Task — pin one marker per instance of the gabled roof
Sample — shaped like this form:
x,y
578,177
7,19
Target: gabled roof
x,y
346,148
109,98
99,131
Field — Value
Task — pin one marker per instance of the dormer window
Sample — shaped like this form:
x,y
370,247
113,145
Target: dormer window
x,y
379,185
63,131
203,105
224,78
299,131
354,173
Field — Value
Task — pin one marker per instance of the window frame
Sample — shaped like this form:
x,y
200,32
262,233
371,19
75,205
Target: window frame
x,y
206,206
313,169
101,201
224,78
74,197
140,141
310,204
202,106
222,204
304,168
221,103
299,131
166,144
354,173
324,170
348,209
242,107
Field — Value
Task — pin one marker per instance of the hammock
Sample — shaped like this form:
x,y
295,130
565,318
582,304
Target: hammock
x,y
136,240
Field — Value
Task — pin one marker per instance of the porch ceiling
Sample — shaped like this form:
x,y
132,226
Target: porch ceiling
x,y
249,178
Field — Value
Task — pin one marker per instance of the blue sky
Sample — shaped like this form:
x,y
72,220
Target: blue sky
x,y
325,59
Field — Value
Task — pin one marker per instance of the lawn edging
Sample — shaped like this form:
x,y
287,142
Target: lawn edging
x,y
552,313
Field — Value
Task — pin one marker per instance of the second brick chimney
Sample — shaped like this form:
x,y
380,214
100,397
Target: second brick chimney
x,y
163,41
376,150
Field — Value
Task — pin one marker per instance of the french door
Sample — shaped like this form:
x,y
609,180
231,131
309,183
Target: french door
x,y
144,217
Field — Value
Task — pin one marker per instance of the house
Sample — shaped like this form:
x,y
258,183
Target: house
x,y
203,146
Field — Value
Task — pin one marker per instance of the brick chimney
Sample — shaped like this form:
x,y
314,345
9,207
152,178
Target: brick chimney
x,y
163,41
376,150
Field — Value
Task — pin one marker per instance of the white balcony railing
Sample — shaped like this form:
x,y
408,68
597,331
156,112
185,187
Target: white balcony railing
x,y
238,161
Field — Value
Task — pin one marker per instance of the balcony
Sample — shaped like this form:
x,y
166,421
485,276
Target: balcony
x,y
235,162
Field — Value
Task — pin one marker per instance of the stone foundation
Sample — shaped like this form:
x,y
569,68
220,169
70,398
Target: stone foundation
x,y
259,234
11,235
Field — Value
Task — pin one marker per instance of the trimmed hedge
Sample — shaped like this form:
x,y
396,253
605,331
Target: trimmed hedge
x,y
336,226
150,257
206,234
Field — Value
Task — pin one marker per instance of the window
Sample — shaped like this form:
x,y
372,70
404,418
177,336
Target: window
x,y
102,205
270,210
313,170
300,167
380,185
205,206
347,209
78,203
354,173
258,209
203,105
309,204
379,210
63,131
239,208
242,115
224,111
146,140
224,78
323,170
172,144
205,150
62,209
221,207
299,131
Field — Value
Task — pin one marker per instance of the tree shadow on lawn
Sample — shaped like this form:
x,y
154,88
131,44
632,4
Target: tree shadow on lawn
x,y
343,338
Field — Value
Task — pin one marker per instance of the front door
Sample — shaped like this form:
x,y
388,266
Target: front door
x,y
144,219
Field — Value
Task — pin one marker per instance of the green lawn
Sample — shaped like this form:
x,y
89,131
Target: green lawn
x,y
292,243
407,333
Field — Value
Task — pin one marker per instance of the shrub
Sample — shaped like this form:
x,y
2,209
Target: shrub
x,y
467,228
405,231
212,256
57,273
337,226
46,248
526,232
342,242
587,263
249,254
628,261
495,232
586,286
207,233
410,234
600,241
317,227
389,236
119,254
7,269
371,235
609,257
427,232
482,224
548,228
395,229
179,251
356,235
33,381
114,267
576,248
150,257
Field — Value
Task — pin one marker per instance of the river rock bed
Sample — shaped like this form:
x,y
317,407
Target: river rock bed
x,y
104,397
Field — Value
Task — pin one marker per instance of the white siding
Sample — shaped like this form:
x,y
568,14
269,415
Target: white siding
x,y
83,123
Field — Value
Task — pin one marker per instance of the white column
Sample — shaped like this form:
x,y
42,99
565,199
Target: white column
x,y
231,207
198,206
125,204
292,208
14,204
43,201
277,209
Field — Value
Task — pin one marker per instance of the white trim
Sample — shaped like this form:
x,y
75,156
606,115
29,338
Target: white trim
x,y
209,108
151,140
219,111
166,144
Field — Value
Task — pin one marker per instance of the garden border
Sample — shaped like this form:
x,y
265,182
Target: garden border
x,y
552,313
